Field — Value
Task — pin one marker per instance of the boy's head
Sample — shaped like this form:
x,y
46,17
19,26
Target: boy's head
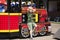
x,y
30,9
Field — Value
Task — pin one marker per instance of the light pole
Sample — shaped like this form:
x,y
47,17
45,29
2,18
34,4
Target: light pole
x,y
20,5
8,5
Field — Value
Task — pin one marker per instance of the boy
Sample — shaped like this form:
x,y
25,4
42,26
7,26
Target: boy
x,y
30,21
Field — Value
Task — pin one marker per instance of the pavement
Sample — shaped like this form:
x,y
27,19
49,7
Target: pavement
x,y
57,34
55,28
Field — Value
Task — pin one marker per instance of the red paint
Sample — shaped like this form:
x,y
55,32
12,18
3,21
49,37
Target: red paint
x,y
9,22
3,22
43,15
20,19
3,2
14,22
24,25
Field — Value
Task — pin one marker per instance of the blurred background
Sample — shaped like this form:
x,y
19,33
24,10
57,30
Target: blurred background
x,y
54,10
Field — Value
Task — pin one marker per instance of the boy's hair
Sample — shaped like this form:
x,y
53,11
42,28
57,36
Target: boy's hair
x,y
31,8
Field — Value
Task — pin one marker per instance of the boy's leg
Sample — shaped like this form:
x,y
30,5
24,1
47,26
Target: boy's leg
x,y
31,32
30,28
35,25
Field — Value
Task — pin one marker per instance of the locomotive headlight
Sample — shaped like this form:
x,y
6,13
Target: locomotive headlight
x,y
3,10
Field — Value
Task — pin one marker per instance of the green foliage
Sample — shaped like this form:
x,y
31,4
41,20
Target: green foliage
x,y
14,0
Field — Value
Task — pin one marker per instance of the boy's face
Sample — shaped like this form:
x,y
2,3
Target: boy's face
x,y
31,10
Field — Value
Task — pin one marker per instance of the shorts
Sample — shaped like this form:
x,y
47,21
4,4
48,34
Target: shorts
x,y
31,25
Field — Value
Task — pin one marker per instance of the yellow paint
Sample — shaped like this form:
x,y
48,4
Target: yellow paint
x,y
9,30
14,30
3,13
36,17
12,14
4,30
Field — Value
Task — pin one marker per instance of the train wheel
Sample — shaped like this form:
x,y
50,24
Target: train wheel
x,y
43,32
24,32
35,34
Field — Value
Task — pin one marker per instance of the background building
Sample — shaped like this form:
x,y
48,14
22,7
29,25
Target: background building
x,y
54,9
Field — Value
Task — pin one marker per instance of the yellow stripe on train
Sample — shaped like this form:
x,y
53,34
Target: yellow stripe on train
x,y
12,14
9,30
14,30
3,13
